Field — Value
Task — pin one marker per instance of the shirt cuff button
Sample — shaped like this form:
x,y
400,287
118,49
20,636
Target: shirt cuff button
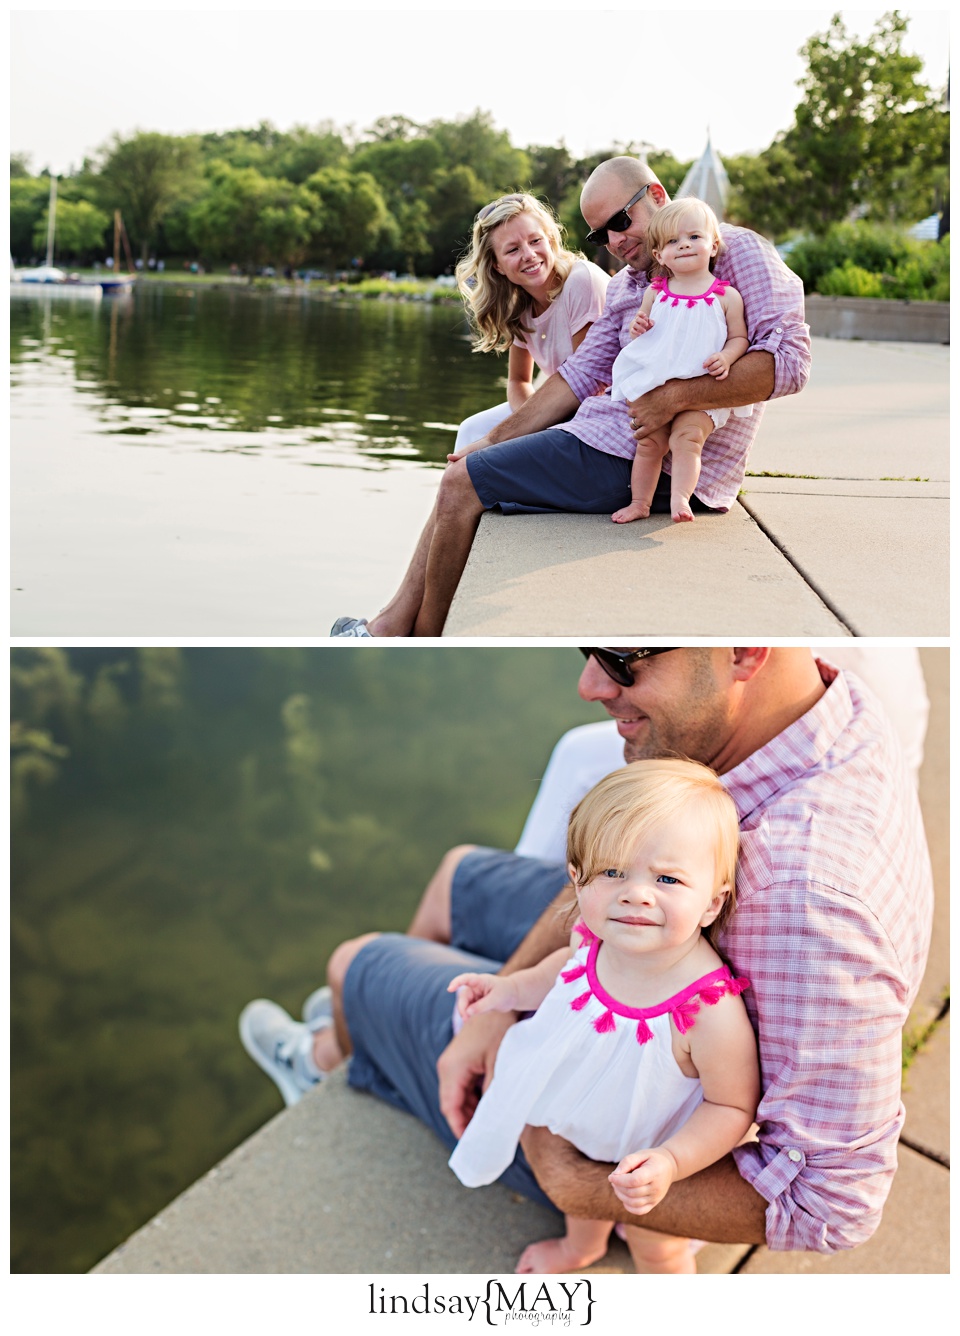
x,y
794,1155
778,330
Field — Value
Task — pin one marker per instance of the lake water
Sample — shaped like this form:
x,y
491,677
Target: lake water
x,y
193,828
189,462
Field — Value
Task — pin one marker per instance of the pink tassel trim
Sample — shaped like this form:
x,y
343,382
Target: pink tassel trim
x,y
717,288
685,1015
684,1012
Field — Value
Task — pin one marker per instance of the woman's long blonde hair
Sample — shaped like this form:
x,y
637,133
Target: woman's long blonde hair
x,y
498,308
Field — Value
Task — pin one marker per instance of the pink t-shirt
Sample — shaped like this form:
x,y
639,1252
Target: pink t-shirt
x,y
580,303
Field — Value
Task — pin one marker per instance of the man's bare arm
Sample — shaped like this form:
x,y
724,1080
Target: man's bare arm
x,y
553,402
751,381
550,932
715,1204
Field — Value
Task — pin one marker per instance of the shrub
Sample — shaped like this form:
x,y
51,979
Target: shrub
x,y
850,280
866,260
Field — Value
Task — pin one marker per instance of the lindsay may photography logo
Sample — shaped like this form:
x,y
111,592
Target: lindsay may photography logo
x,y
559,1303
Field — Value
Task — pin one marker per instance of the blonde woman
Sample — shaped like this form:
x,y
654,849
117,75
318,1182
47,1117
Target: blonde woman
x,y
525,294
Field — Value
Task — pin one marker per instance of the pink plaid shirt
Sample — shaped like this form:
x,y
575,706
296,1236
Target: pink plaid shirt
x,y
773,305
832,928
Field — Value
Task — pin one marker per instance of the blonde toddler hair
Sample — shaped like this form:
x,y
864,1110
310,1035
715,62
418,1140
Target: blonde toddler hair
x,y
664,223
609,823
496,307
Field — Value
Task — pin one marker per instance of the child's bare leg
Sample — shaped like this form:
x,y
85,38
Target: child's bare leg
x,y
584,1242
688,431
644,476
659,1254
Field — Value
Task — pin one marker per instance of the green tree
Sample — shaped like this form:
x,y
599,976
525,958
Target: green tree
x,y
553,172
473,141
29,196
304,151
867,122
251,219
403,161
351,219
764,189
456,194
19,164
80,229
144,177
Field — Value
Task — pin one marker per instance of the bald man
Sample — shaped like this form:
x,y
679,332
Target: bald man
x,y
832,927
570,446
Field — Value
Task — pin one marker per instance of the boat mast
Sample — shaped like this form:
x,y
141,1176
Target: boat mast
x,y
51,220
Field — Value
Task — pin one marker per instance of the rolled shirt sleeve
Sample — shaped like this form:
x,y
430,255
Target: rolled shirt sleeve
x,y
829,1013
773,304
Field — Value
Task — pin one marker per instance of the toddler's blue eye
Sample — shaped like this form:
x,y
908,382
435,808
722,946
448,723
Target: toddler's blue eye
x,y
612,872
669,881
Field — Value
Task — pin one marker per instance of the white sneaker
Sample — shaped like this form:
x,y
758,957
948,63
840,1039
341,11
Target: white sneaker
x,y
351,626
318,1009
279,1045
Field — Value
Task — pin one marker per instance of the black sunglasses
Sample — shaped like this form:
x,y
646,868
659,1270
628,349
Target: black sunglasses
x,y
618,222
617,665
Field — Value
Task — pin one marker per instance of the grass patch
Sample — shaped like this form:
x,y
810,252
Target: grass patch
x,y
767,473
916,1036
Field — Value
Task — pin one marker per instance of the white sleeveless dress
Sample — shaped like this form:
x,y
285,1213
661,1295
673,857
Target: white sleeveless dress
x,y
686,331
596,1072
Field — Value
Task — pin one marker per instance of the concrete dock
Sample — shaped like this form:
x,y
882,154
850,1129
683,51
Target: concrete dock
x,y
344,1184
841,529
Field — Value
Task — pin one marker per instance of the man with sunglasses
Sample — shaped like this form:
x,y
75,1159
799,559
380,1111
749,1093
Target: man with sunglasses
x,y
570,446
832,927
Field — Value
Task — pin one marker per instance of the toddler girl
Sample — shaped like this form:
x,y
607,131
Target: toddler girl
x,y
699,327
622,1058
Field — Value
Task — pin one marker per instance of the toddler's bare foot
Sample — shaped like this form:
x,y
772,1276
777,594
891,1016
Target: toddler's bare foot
x,y
553,1257
680,509
635,511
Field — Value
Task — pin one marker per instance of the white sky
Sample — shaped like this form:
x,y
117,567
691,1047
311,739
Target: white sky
x,y
546,73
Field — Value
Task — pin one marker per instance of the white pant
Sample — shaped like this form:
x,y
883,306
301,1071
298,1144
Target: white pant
x,y
472,428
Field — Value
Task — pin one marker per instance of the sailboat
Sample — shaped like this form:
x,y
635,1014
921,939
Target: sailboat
x,y
115,281
51,279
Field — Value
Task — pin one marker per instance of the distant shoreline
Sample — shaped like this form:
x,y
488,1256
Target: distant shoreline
x,y
403,290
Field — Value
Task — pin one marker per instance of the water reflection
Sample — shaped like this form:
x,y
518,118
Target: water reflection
x,y
151,445
387,379
194,828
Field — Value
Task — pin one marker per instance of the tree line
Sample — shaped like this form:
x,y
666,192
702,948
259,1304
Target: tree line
x,y
869,139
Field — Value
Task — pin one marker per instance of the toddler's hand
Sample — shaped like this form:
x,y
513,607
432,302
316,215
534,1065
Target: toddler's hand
x,y
642,1178
477,993
717,366
640,324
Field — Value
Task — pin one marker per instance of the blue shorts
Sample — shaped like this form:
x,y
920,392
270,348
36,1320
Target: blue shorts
x,y
553,470
397,1008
